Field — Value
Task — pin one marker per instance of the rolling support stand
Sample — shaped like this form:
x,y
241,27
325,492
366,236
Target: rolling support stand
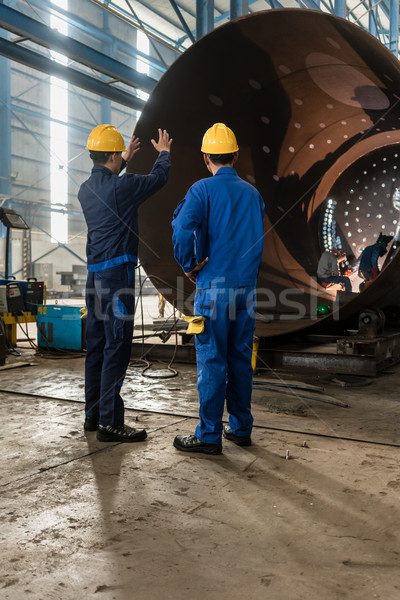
x,y
366,351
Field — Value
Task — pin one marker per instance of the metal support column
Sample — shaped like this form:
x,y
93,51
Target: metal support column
x,y
238,8
394,27
105,110
105,103
182,20
340,8
5,128
26,254
372,18
5,146
8,255
204,17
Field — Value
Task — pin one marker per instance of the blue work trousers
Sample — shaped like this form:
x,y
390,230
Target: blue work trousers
x,y
224,352
110,301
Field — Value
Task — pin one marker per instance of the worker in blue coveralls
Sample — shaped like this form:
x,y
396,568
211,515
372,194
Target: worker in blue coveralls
x,y
218,241
368,268
110,205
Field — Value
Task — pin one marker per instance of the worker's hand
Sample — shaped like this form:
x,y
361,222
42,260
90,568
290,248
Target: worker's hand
x,y
193,273
134,146
164,143
375,272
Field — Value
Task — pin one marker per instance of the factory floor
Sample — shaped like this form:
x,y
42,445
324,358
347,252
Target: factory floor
x,y
310,511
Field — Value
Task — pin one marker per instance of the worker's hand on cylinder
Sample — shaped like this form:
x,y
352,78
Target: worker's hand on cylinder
x,y
164,141
193,273
134,146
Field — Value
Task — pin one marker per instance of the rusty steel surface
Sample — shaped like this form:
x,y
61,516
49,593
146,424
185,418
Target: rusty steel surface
x,y
314,102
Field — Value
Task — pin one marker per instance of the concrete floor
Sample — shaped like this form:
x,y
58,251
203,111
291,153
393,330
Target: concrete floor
x,y
81,519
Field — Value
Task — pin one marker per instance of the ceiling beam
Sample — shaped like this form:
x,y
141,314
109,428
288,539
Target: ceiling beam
x,y
43,35
81,26
121,14
46,65
182,20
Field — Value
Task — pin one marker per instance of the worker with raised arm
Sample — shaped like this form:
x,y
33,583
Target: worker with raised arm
x,y
110,203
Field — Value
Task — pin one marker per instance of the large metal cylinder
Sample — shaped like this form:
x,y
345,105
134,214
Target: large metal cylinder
x,y
314,103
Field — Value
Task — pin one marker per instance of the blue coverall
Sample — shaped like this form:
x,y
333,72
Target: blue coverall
x,y
110,203
222,217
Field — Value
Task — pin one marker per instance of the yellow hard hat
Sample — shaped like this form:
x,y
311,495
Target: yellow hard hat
x,y
105,138
219,139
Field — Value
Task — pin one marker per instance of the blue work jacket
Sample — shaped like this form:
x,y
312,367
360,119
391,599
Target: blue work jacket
x,y
109,203
221,217
369,258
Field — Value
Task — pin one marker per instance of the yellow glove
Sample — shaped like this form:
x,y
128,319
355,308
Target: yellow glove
x,y
196,324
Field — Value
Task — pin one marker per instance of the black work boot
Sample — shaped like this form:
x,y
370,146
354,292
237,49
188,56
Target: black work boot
x,y
120,433
190,443
90,425
236,439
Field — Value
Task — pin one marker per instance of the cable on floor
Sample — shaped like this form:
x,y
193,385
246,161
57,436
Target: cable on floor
x,y
142,360
192,416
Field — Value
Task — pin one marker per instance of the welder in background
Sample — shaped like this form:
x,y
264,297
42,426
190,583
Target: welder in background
x,y
110,203
218,241
328,268
368,267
